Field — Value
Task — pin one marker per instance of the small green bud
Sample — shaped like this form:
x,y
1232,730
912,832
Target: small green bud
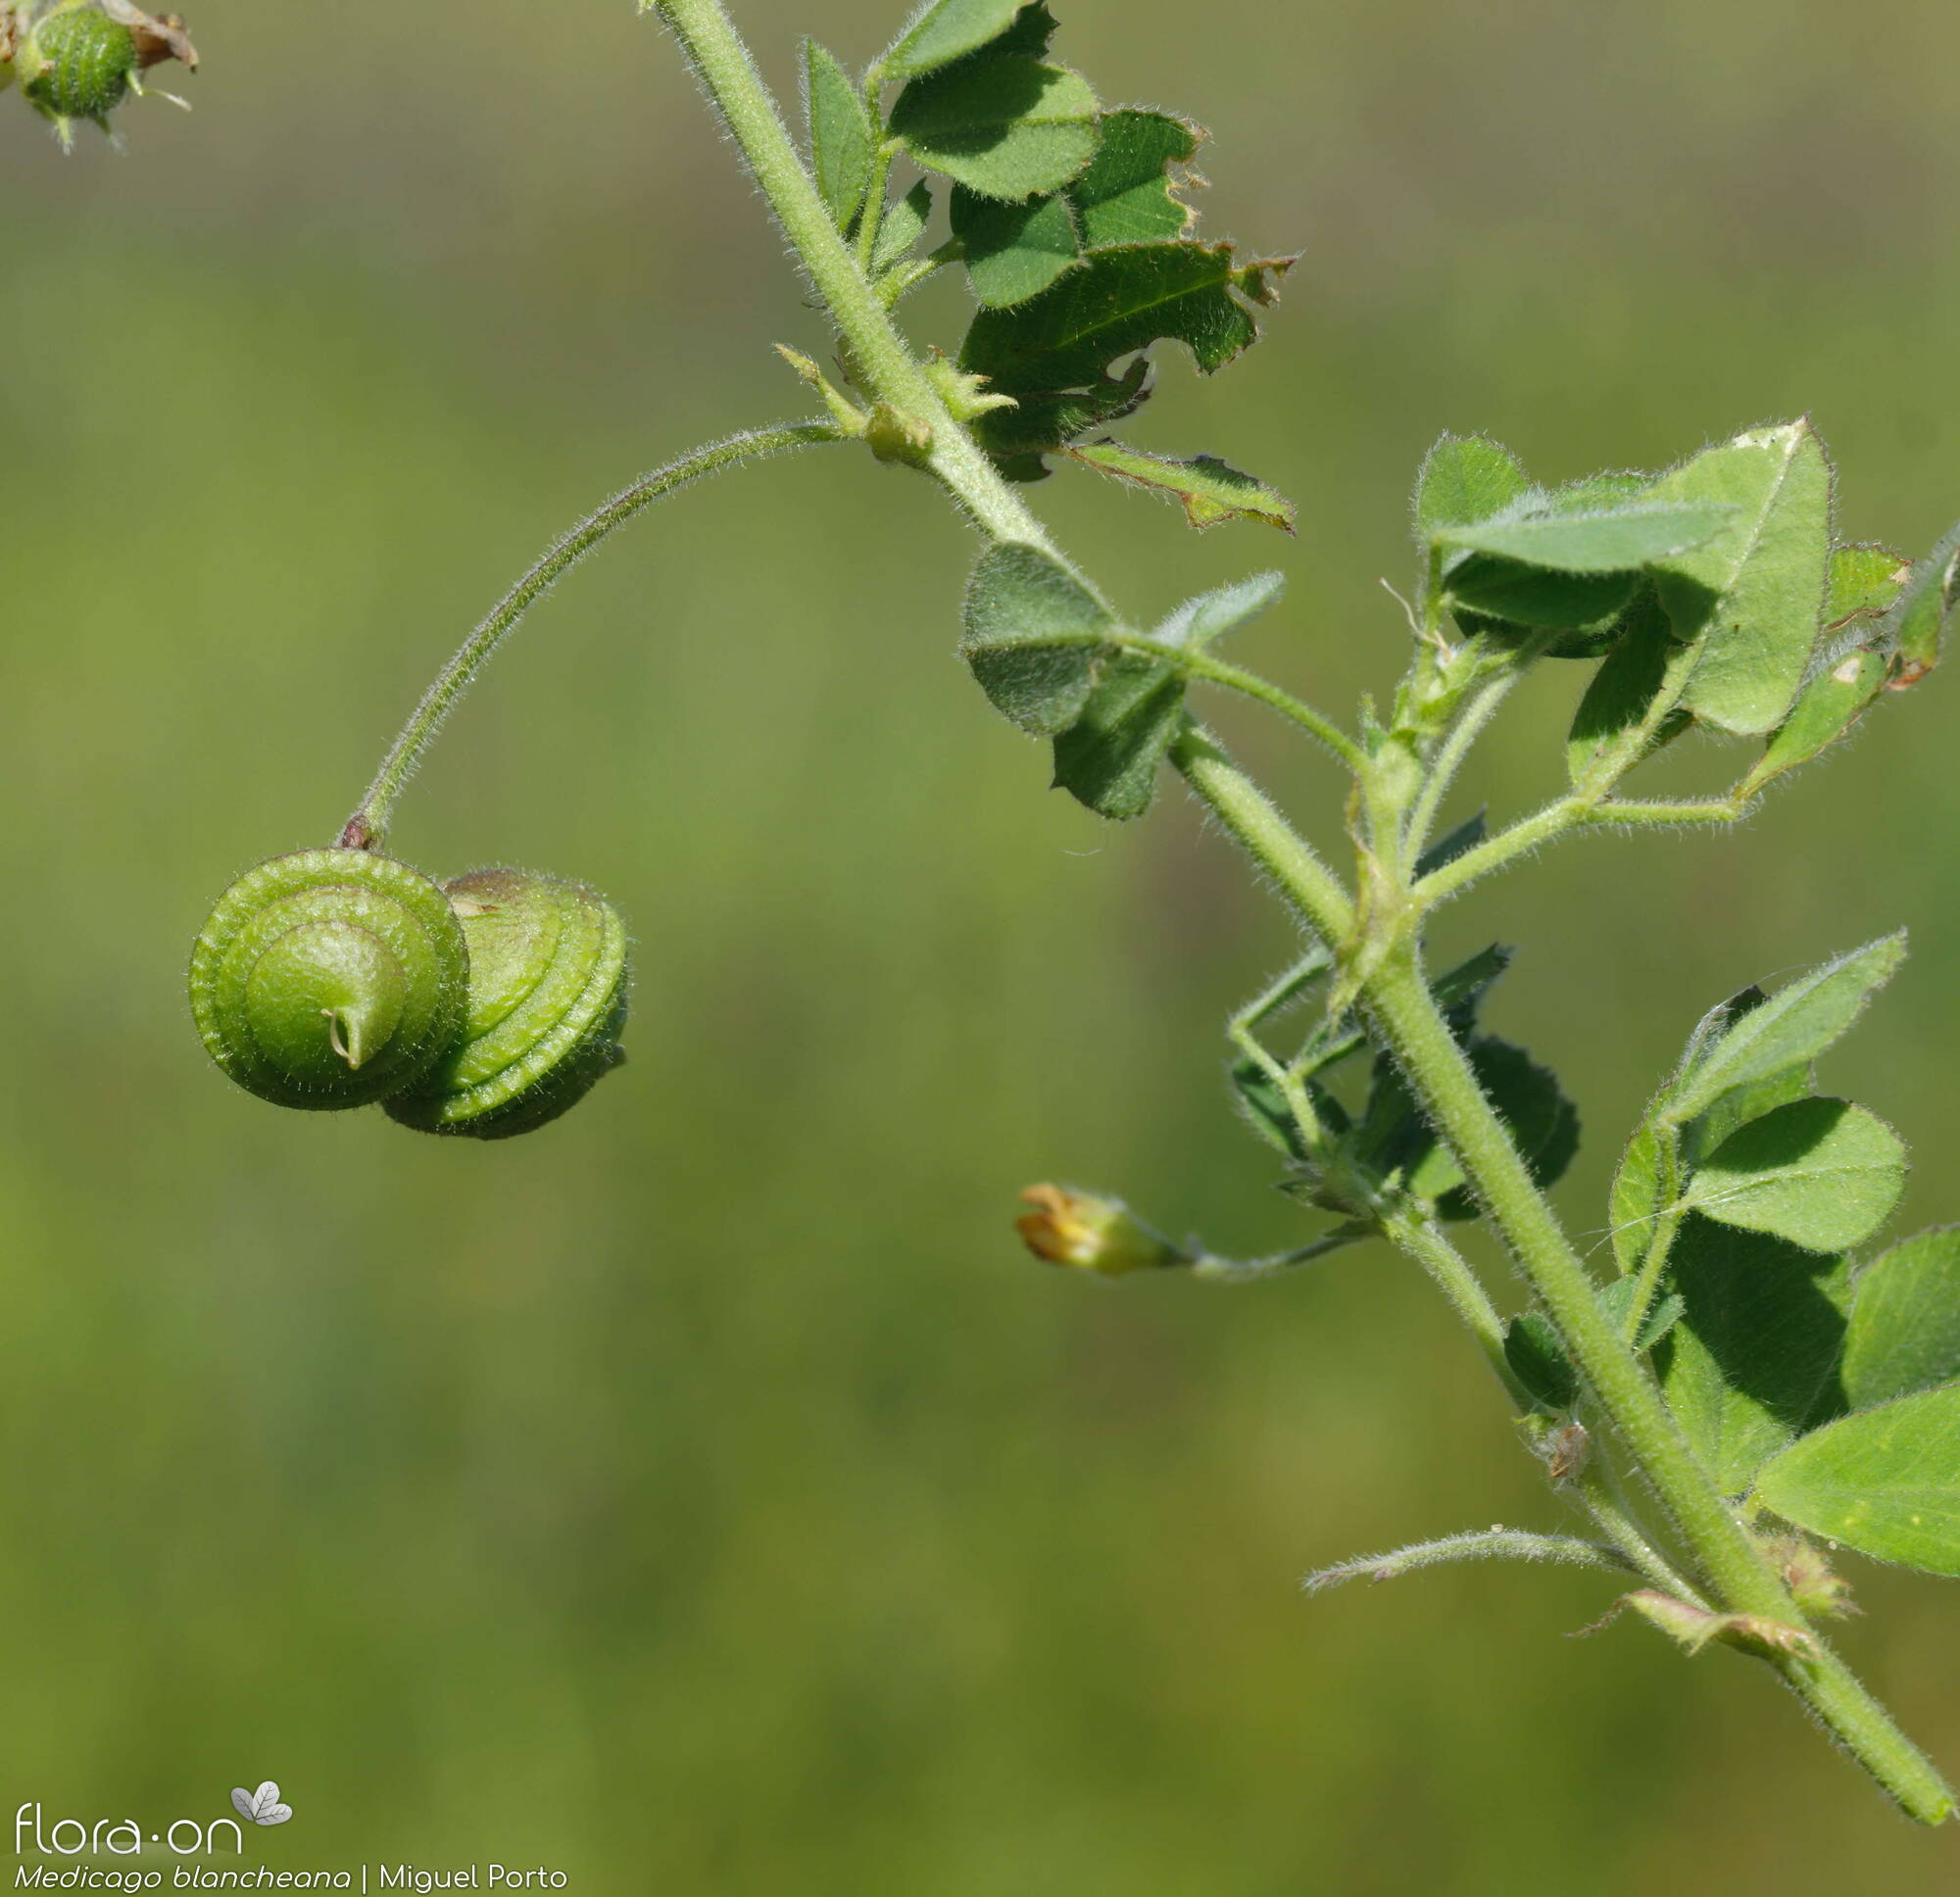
x,y
77,63
1090,1234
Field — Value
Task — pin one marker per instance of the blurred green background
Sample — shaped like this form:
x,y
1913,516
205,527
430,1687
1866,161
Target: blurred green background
x,y
707,1494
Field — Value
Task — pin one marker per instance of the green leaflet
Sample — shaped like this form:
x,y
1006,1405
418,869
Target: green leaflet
x,y
1125,196
1198,622
1128,194
1464,479
1208,490
1618,540
1622,714
1753,1360
1030,626
904,226
1825,712
1120,300
1013,250
1904,1334
1638,1197
1522,595
1538,1361
841,135
1886,1481
1795,1024
1051,353
1821,1173
1753,596
945,30
1916,627
1005,126
1109,758
1864,582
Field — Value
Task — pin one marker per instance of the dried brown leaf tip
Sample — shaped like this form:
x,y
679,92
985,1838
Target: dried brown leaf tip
x,y
158,36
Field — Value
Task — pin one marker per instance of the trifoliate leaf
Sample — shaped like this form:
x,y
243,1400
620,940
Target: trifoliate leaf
x,y
1209,489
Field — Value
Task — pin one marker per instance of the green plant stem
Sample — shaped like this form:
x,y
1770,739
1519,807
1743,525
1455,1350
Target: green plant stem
x,y
877,352
367,828
1562,818
1463,735
871,216
1393,991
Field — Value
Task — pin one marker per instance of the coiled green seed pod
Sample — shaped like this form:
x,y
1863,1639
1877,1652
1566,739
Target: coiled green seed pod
x,y
547,1006
77,63
330,979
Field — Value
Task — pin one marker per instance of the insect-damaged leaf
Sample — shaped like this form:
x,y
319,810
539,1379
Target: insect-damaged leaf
x,y
945,30
1753,594
1209,489
1128,193
1753,1360
1052,352
840,136
1032,637
1003,125
1109,758
1795,1024
1904,1334
1822,1173
1886,1481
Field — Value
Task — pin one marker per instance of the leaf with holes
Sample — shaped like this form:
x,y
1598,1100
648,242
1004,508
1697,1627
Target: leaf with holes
x,y
1128,195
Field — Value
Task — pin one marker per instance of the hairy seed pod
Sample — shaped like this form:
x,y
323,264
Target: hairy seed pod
x,y
547,1006
332,978
77,63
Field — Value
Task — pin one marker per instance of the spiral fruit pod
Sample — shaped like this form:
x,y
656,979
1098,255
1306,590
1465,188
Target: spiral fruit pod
x,y
330,979
547,1006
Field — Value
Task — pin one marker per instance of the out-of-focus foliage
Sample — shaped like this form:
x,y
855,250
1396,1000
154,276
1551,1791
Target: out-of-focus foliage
x,y
708,1495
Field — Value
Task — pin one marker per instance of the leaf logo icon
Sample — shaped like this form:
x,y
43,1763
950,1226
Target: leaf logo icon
x,y
263,1806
